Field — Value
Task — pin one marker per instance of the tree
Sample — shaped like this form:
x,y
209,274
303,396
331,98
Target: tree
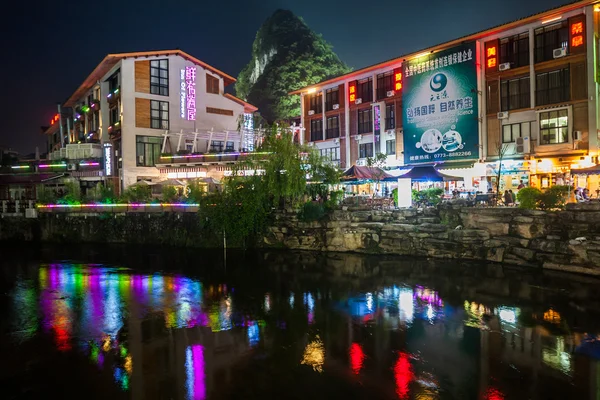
x,y
286,55
376,164
501,148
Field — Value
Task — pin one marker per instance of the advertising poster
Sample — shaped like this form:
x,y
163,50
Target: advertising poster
x,y
440,113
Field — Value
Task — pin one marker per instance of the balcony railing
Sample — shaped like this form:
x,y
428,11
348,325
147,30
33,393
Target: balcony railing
x,y
114,95
207,158
332,133
114,130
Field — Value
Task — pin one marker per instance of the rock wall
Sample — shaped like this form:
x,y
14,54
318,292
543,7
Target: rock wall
x,y
566,240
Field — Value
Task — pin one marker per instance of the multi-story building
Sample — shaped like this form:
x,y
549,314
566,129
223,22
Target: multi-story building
x,y
527,89
152,109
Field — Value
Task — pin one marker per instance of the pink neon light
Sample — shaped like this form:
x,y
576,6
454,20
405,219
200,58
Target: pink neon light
x,y
51,165
236,153
89,164
135,205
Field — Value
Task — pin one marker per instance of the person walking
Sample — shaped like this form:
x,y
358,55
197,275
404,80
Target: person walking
x,y
507,198
513,197
521,185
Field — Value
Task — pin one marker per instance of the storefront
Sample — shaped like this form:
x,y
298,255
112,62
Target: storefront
x,y
511,174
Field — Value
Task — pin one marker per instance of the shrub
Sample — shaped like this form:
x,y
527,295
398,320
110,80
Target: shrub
x,y
196,191
335,198
311,211
169,194
46,195
528,198
72,193
137,194
554,197
427,197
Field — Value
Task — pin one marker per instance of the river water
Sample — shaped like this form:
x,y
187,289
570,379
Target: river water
x,y
152,323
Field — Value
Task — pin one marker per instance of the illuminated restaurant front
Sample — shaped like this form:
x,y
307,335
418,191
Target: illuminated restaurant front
x,y
543,173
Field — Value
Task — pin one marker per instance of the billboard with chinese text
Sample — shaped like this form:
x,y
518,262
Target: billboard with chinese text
x,y
440,113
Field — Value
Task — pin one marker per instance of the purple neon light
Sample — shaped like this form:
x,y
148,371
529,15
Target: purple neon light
x,y
89,164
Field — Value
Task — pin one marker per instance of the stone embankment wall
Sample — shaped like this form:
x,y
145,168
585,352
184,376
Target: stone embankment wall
x,y
567,240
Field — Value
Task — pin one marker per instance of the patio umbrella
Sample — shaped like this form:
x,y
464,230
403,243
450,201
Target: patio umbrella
x,y
357,173
143,183
428,174
170,182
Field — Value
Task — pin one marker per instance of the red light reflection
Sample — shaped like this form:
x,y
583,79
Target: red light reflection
x,y
403,375
357,356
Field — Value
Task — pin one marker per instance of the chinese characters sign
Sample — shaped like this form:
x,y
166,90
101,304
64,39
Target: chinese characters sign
x,y
440,113
188,93
576,33
491,55
107,159
352,92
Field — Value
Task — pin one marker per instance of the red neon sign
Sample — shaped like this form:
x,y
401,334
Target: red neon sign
x,y
352,91
576,32
491,55
398,79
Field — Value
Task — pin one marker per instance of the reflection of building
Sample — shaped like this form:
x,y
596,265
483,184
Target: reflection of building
x,y
532,94
153,109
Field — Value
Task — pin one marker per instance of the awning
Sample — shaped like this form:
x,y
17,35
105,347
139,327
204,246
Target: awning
x,y
428,174
28,179
595,170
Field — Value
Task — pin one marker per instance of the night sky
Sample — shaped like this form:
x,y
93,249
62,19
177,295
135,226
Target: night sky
x,y
49,48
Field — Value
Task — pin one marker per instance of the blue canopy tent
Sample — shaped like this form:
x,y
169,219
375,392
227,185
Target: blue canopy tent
x,y
428,173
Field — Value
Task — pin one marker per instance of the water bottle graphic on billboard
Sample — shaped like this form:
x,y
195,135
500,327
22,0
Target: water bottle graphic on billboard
x,y
440,107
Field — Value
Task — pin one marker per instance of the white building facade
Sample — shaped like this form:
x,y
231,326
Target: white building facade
x,y
147,108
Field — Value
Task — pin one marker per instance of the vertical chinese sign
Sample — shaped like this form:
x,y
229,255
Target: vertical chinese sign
x,y
188,93
440,112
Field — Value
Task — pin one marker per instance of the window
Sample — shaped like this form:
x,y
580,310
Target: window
x,y
365,90
229,146
549,38
216,146
390,147
515,94
365,121
333,127
147,150
554,127
552,87
332,96
113,82
385,83
212,84
511,132
159,77
316,103
390,117
515,50
316,130
331,154
159,114
365,150
113,115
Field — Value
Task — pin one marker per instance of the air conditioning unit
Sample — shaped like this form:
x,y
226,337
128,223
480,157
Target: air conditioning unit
x,y
311,112
336,106
577,135
311,144
358,101
523,145
336,140
504,66
558,53
361,162
72,167
391,133
390,93
358,138
503,115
